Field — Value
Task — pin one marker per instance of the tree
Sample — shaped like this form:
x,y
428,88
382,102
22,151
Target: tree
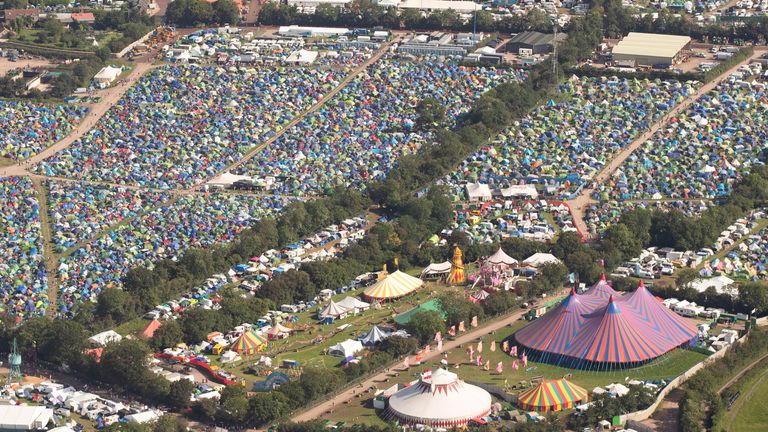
x,y
226,12
63,342
431,113
685,276
399,346
168,335
170,423
189,12
114,304
179,393
424,324
458,309
125,363
754,295
267,407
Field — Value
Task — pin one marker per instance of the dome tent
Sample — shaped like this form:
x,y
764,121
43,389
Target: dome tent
x,y
439,399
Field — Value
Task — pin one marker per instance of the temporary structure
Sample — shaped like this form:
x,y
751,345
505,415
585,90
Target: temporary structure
x,y
439,399
501,258
278,331
539,259
150,329
436,269
592,332
602,289
374,336
249,343
392,286
353,305
345,349
333,310
554,395
457,276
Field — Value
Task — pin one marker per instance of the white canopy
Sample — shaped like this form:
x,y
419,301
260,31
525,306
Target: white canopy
x,y
353,304
478,192
226,179
501,257
437,269
333,310
103,338
23,417
345,349
107,74
440,399
520,191
374,336
539,259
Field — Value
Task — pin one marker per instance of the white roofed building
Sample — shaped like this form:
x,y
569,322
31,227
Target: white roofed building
x,y
478,192
649,49
23,417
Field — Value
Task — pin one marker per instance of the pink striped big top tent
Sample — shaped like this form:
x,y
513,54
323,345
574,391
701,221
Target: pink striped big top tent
x,y
602,329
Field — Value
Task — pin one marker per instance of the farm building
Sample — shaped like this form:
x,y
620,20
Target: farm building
x,y
648,49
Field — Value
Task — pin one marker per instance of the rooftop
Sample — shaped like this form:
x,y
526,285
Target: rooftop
x,y
649,44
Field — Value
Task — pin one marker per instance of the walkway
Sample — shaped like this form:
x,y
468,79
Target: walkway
x,y
579,204
338,400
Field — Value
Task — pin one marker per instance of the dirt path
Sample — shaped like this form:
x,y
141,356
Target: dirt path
x,y
374,58
579,204
51,259
741,373
320,409
666,416
108,98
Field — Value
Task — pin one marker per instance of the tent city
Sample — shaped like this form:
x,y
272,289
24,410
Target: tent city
x,y
383,215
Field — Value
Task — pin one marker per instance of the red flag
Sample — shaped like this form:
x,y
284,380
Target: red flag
x,y
480,346
440,346
407,362
438,337
474,321
479,360
499,368
493,346
461,327
513,351
452,331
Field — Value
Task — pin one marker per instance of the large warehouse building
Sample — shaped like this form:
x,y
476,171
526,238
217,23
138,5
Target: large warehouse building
x,y
648,49
531,42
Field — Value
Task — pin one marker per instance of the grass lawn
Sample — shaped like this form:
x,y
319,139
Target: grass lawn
x,y
4,162
132,327
516,381
748,412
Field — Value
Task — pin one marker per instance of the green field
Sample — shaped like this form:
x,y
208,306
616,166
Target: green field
x,y
515,381
748,412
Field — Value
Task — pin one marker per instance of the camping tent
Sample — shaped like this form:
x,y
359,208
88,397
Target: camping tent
x,y
554,395
394,285
345,349
249,343
374,336
439,399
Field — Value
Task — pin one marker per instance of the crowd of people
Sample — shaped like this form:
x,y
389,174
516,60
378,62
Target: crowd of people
x,y
569,139
702,152
29,127
359,135
181,124
198,220
23,282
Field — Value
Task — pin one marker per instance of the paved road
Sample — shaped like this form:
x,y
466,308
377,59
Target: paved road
x,y
318,410
580,203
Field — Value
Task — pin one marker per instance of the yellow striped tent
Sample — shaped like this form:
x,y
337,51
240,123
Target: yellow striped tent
x,y
392,286
554,395
249,343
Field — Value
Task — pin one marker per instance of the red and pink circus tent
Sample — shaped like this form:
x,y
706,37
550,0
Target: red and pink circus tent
x,y
602,329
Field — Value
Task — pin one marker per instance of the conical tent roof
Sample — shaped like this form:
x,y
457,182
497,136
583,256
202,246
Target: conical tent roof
x,y
374,336
248,343
602,289
277,330
650,312
481,295
552,395
613,336
394,285
439,399
554,332
501,257
333,310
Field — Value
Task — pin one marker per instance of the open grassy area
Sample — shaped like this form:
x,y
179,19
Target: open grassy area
x,y
748,412
515,381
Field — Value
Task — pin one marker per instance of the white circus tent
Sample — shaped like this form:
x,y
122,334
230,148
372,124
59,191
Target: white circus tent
x,y
392,286
439,399
501,258
333,310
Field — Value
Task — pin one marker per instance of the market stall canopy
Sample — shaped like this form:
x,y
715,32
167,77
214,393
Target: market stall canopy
x,y
345,349
333,310
353,304
436,269
394,285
